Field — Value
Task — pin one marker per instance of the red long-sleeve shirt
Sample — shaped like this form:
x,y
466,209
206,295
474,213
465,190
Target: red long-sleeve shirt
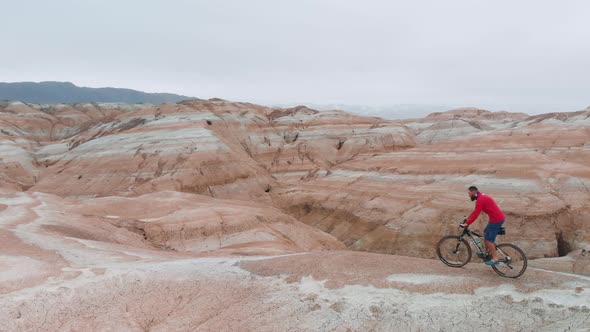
x,y
486,204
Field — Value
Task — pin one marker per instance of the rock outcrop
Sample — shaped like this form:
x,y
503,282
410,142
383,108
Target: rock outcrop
x,y
29,132
577,261
458,123
403,201
215,147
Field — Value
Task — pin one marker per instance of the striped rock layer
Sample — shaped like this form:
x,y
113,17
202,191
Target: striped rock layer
x,y
373,184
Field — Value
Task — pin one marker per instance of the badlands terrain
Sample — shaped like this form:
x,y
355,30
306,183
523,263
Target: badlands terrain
x,y
214,215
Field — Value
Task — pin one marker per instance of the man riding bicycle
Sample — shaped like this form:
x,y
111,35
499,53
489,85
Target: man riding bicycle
x,y
486,204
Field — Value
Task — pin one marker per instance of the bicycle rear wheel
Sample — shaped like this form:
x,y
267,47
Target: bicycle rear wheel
x,y
512,261
453,251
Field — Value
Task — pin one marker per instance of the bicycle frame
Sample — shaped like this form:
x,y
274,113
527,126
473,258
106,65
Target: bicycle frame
x,y
470,234
480,254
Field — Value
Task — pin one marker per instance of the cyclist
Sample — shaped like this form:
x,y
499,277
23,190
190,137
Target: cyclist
x,y
486,204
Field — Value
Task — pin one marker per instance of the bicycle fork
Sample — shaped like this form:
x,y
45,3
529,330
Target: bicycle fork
x,y
456,251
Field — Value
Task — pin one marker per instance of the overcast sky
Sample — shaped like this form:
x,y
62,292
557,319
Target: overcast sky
x,y
514,55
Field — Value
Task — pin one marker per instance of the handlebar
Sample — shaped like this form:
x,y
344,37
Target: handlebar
x,y
467,231
463,223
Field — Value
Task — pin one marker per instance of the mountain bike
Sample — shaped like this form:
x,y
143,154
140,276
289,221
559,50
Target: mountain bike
x,y
454,251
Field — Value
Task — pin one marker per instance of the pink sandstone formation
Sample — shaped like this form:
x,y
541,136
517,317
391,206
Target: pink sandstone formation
x,y
442,126
402,202
300,159
213,147
217,215
29,131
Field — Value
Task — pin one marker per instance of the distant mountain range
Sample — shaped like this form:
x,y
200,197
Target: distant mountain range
x,y
66,92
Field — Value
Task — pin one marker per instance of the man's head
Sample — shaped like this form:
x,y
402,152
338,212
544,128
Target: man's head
x,y
472,191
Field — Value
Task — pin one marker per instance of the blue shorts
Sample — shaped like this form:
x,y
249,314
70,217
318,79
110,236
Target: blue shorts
x,y
491,231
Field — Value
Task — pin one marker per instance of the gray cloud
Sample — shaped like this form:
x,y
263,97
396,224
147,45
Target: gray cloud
x,y
518,55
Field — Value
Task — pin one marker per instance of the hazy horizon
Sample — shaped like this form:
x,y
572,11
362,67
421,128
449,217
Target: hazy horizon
x,y
526,56
402,110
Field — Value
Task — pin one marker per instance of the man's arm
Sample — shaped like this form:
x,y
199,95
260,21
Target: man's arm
x,y
476,212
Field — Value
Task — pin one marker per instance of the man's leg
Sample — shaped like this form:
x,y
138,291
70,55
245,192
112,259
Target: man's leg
x,y
492,249
490,233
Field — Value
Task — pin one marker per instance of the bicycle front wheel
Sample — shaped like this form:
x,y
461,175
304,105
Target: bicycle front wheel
x,y
512,261
453,251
